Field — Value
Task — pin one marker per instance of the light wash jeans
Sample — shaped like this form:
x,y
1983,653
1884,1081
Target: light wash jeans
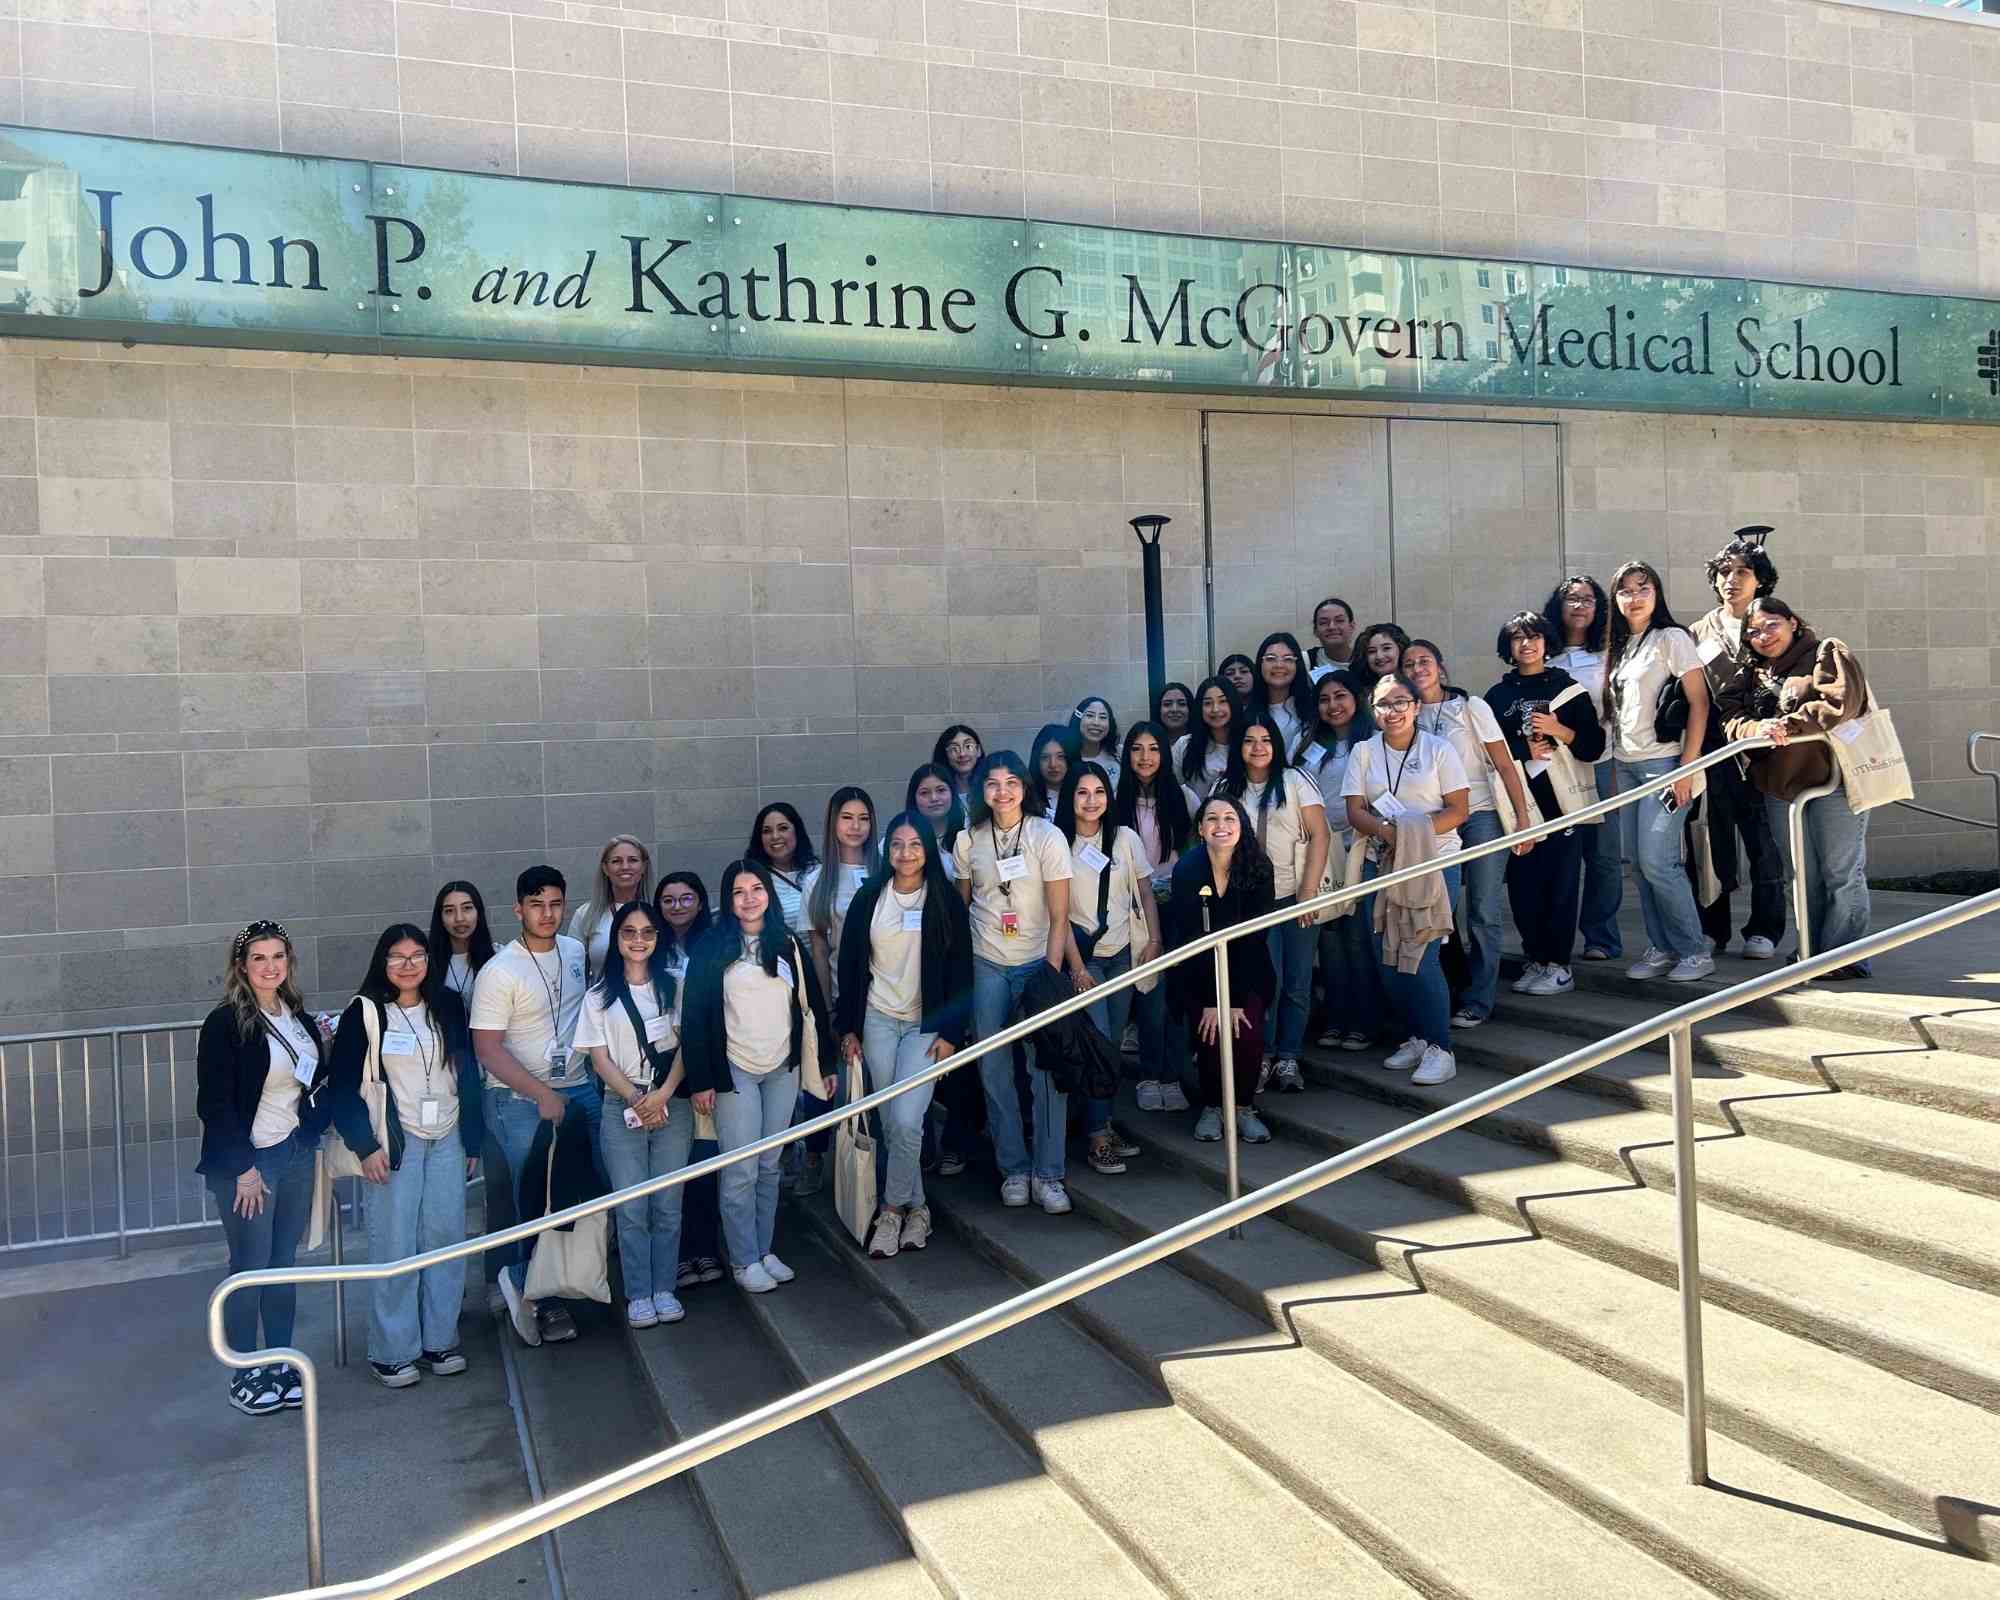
x,y
1422,999
1653,836
1109,1016
511,1120
994,990
1292,955
1355,1001
269,1239
649,1228
748,1191
421,1207
1603,875
895,1050
1485,894
1836,868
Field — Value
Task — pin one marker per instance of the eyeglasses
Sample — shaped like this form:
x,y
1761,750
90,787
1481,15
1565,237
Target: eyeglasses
x,y
1759,630
1279,658
417,960
640,934
681,902
1395,708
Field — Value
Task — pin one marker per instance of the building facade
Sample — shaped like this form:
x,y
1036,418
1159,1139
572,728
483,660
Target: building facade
x,y
304,632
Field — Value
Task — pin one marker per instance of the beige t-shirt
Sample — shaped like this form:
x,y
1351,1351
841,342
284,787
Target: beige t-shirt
x,y
1648,662
1128,867
1280,828
845,888
606,1030
895,954
533,1000
413,1060
277,1113
757,1013
1041,852
1214,762
1467,724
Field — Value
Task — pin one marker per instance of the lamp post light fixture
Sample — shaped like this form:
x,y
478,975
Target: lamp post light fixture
x,y
1156,622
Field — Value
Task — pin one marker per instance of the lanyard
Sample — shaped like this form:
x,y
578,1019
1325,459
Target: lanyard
x,y
1013,849
421,1035
554,994
1396,781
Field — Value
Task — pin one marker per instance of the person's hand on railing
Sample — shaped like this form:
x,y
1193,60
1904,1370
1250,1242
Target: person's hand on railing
x,y
1683,793
1524,847
375,1168
250,1194
1776,731
1239,1023
942,1047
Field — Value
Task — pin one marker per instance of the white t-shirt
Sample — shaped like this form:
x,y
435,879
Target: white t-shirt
x,y
757,1013
1587,667
895,954
1328,768
1465,723
1649,661
277,1113
844,890
1128,867
592,929
791,896
1109,763
534,1001
1043,855
1214,762
413,1060
1280,828
1419,777
1286,716
458,974
606,1030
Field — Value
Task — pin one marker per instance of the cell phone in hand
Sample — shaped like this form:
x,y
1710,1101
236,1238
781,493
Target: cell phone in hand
x,y
1669,801
632,1119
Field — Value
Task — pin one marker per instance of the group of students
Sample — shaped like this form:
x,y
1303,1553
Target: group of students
x,y
662,1028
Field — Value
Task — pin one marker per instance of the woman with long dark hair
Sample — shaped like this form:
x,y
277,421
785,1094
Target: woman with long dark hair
x,y
905,1002
630,1030
1378,649
1056,749
829,889
260,1076
1152,804
1173,709
1201,755
1284,692
934,797
1240,673
1350,975
1579,611
681,900
1229,876
779,844
1095,725
412,1027
461,939
959,750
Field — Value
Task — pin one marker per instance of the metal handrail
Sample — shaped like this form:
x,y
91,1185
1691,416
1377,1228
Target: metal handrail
x,y
1215,941
1676,1026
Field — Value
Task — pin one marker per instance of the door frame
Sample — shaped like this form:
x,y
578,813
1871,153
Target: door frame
x,y
1387,419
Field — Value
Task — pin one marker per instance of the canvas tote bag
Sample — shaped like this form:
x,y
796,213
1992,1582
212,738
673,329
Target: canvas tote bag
x,y
569,1263
854,1166
1873,769
341,1161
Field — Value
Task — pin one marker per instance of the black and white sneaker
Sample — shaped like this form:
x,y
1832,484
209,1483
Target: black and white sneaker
x,y
257,1392
557,1324
395,1374
294,1386
443,1363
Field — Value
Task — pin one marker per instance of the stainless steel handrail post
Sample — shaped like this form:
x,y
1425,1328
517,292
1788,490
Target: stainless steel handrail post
x,y
1694,1381
1795,832
1225,1049
1972,761
117,1037
338,1240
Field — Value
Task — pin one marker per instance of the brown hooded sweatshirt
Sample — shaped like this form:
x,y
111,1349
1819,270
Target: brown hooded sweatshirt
x,y
1812,688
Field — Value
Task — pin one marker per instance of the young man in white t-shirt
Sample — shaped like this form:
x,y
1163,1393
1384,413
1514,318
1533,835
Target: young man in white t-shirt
x,y
523,1015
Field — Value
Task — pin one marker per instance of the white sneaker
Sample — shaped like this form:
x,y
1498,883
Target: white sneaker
x,y
1250,1127
780,1273
1525,984
667,1308
1208,1126
1051,1196
1553,980
520,1311
1652,964
1128,1043
1014,1191
1406,1055
887,1238
1172,1096
1439,1066
1689,968
1759,948
916,1227
753,1279
1149,1096
1287,1077
639,1313
1466,1017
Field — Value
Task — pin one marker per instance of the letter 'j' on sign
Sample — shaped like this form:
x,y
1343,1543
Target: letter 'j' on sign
x,y
129,239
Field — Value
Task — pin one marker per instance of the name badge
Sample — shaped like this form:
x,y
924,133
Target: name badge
x,y
399,1044
784,970
1010,868
1092,857
1709,650
1010,924
427,1113
1389,808
659,1028
303,1070
556,1055
913,921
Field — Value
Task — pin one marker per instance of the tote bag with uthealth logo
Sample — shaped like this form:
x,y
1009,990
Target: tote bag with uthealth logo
x,y
1873,769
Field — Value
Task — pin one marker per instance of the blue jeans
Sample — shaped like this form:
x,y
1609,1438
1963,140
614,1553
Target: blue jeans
x,y
1292,955
649,1228
994,991
1353,977
421,1207
1485,892
511,1120
895,1050
269,1239
1653,835
1163,1040
1109,1016
1603,875
1421,998
747,1192
1836,868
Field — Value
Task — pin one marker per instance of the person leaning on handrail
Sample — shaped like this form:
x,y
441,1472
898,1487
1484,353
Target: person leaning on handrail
x,y
260,1091
431,1117
1805,684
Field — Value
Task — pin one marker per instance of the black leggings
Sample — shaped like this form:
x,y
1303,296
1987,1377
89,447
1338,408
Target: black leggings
x,y
1545,890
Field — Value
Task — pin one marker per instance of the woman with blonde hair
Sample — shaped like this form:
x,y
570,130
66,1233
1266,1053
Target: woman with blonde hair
x,y
624,868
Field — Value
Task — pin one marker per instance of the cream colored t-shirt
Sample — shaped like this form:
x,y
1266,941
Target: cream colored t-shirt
x,y
757,1013
1648,662
277,1115
1128,867
1214,762
845,888
533,1000
895,954
1280,828
1042,852
413,1060
1467,724
605,1029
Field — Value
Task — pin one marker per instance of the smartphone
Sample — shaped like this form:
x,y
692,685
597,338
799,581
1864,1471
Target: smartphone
x,y
1668,802
632,1119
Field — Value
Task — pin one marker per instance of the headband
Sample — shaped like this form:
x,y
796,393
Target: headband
x,y
261,929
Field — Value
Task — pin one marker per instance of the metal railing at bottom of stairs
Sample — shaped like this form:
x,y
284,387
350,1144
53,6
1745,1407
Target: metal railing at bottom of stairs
x,y
1675,1026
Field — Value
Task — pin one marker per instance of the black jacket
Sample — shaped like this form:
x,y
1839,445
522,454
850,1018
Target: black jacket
x,y
945,964
705,1033
229,1074
574,1179
1191,984
350,1057
1075,1055
1586,748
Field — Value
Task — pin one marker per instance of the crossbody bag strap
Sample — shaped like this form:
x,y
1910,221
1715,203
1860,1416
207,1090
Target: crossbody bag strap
x,y
654,1060
1104,887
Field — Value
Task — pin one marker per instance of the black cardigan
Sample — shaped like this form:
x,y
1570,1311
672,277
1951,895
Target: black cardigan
x,y
1587,746
704,1031
229,1074
350,1056
945,964
1191,984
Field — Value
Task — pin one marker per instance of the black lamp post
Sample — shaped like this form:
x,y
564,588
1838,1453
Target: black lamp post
x,y
1156,621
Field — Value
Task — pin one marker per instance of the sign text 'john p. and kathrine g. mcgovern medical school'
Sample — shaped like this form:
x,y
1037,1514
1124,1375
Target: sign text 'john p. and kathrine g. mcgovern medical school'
x,y
104,237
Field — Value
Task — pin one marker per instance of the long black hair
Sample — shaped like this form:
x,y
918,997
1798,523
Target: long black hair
x,y
1600,623
1248,864
1198,740
1110,744
1301,692
1187,694
377,985
1621,630
938,750
976,808
1063,736
818,909
1170,812
1321,731
802,857
1065,818
954,819
774,939
478,948
936,884
1224,664
612,985
703,916
1236,779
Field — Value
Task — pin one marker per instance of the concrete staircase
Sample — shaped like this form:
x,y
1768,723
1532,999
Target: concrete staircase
x,y
1454,1375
